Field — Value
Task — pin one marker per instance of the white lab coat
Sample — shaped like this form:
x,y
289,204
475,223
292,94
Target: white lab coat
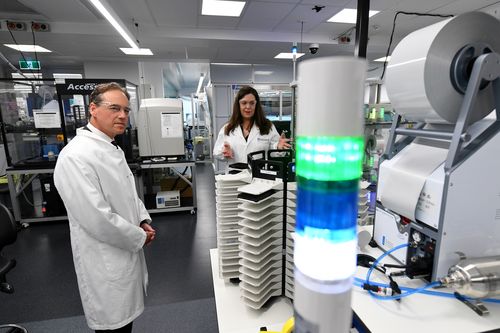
x,y
241,147
104,212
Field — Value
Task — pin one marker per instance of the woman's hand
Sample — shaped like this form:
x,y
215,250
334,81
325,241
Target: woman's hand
x,y
227,152
283,143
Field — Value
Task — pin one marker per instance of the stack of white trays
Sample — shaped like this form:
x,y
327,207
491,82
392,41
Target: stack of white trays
x,y
363,205
291,205
226,198
261,241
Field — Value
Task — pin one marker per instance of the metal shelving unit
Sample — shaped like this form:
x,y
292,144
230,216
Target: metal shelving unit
x,y
174,166
15,191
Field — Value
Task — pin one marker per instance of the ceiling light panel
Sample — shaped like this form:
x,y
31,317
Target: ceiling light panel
x,y
27,48
105,9
134,51
285,55
348,15
222,8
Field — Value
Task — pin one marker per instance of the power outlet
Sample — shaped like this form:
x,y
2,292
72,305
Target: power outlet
x,y
40,26
16,26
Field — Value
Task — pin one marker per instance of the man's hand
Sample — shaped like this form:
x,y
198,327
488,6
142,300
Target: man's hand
x,y
150,233
227,151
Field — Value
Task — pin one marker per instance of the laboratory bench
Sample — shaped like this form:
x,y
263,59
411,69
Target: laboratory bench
x,y
42,208
148,187
416,313
34,199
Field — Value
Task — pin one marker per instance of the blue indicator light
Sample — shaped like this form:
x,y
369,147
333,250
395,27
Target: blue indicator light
x,y
327,209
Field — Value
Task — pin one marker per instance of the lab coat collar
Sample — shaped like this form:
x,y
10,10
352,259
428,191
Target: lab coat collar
x,y
94,129
94,133
253,132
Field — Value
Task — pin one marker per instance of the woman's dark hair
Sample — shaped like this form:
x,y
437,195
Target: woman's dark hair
x,y
259,118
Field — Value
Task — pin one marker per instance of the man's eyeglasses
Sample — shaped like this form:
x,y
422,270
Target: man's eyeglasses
x,y
115,108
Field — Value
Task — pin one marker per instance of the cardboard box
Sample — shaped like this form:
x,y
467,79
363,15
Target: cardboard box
x,y
177,183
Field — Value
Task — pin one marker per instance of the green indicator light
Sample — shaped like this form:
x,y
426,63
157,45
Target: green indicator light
x,y
329,158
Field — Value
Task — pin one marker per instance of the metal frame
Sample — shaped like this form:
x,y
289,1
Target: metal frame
x,y
14,194
362,20
486,68
172,166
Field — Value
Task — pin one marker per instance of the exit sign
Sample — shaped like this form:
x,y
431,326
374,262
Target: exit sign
x,y
29,64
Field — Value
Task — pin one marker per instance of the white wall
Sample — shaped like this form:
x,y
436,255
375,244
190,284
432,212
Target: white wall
x,y
249,74
112,70
152,73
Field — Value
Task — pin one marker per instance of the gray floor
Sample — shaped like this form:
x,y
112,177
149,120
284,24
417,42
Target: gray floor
x,y
180,296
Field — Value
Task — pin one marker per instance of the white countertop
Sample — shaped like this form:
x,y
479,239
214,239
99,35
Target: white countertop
x,y
415,313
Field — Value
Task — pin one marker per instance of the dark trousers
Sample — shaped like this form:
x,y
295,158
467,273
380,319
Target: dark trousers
x,y
124,329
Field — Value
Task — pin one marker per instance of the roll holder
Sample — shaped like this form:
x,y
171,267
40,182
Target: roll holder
x,y
485,70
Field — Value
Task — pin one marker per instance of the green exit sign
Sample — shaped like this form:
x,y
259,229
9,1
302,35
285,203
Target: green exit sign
x,y
29,64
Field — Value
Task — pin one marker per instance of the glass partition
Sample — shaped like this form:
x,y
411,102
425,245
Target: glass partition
x,y
33,129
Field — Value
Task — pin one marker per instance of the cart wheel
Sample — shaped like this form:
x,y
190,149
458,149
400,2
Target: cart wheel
x,y
193,211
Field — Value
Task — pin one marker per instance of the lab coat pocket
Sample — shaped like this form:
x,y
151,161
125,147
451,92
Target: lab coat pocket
x,y
119,263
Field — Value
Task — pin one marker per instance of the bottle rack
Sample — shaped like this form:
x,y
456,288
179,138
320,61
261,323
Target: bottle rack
x,y
291,204
226,198
255,222
363,205
261,235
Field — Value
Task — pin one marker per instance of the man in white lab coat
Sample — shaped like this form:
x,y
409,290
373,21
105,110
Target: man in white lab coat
x,y
109,224
248,130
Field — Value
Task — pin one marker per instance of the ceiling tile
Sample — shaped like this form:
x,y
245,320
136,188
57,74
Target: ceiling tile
x,y
62,11
264,15
311,18
139,11
222,22
179,13
14,6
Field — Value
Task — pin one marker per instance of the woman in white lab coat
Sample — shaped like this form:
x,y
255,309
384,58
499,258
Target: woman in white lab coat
x,y
108,222
248,130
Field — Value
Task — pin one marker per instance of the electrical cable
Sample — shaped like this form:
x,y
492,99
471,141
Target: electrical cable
x,y
137,32
178,178
346,33
375,264
301,31
393,297
367,261
21,52
394,27
408,291
397,294
27,200
394,266
34,42
359,283
184,189
11,65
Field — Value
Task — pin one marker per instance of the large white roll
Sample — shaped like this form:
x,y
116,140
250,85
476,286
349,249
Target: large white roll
x,y
419,73
330,96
